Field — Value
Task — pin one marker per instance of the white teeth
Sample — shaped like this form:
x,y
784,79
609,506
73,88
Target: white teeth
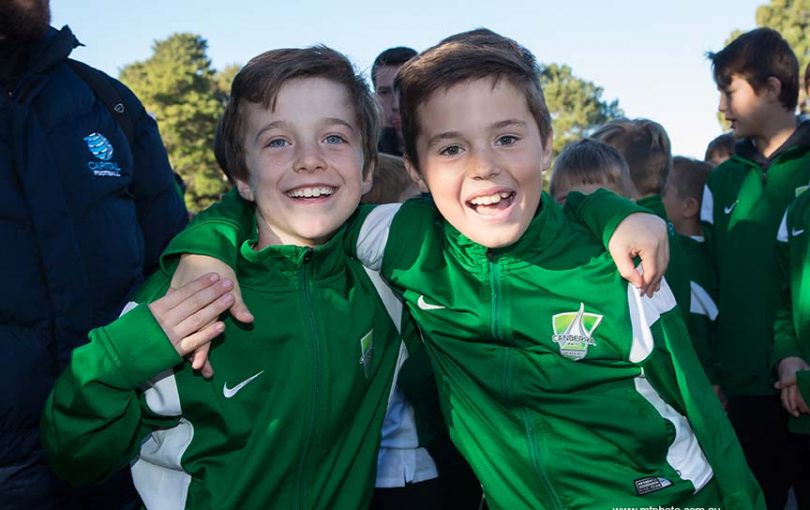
x,y
310,192
490,199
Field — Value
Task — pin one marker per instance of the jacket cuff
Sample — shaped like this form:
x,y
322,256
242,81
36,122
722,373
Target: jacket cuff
x,y
138,347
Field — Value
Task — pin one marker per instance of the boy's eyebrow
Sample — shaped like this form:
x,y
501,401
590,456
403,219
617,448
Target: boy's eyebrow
x,y
507,123
279,124
435,139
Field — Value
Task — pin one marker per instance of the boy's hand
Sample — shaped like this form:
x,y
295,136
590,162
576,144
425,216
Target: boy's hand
x,y
792,399
641,235
192,267
189,314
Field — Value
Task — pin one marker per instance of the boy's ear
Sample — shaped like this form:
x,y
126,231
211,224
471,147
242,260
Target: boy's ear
x,y
415,175
244,189
773,87
691,207
548,148
368,180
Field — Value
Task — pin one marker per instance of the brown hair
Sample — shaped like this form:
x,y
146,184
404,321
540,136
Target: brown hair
x,y
646,149
260,81
391,180
723,145
688,177
591,162
757,55
474,55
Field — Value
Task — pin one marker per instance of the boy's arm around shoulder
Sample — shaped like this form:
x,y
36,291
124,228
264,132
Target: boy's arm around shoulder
x,y
216,232
211,244
627,231
93,422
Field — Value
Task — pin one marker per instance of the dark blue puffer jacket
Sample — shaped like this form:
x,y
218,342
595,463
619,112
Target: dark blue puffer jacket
x,y
83,218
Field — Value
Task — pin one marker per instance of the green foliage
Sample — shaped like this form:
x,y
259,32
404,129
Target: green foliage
x,y
792,19
178,85
576,105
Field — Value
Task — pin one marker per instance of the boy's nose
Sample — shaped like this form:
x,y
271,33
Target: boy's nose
x,y
723,103
309,158
482,164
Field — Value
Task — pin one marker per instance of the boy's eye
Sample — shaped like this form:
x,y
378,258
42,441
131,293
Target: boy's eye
x,y
507,140
453,150
277,143
334,139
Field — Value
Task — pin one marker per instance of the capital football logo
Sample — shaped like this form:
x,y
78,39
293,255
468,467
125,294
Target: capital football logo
x,y
573,331
99,146
102,150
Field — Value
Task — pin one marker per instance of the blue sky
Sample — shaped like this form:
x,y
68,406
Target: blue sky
x,y
647,54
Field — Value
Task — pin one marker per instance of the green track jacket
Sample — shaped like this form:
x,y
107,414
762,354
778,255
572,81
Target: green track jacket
x,y
703,303
291,418
561,385
678,274
792,324
743,204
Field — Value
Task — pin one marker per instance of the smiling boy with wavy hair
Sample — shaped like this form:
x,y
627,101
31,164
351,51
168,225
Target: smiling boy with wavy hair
x,y
292,416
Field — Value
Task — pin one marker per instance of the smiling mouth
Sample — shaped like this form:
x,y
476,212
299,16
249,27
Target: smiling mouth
x,y
488,204
311,192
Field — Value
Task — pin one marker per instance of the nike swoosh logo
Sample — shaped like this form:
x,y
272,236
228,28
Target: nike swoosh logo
x,y
797,232
426,306
230,392
730,208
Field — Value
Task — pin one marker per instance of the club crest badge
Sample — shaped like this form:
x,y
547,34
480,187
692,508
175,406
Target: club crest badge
x,y
367,352
573,332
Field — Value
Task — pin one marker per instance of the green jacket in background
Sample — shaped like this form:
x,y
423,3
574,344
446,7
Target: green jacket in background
x,y
560,384
677,273
743,204
291,418
792,324
703,303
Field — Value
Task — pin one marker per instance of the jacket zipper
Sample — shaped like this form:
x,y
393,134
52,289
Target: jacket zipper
x,y
534,456
495,301
316,377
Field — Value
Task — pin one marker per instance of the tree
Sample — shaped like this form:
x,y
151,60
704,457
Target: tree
x,y
575,104
178,85
792,19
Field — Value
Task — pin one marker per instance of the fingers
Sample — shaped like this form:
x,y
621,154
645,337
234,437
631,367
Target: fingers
x,y
199,311
200,361
175,296
792,404
200,356
196,340
628,271
207,370
239,309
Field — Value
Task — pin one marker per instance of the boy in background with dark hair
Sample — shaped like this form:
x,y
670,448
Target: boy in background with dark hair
x,y
383,71
720,149
682,197
391,182
758,78
588,165
645,146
